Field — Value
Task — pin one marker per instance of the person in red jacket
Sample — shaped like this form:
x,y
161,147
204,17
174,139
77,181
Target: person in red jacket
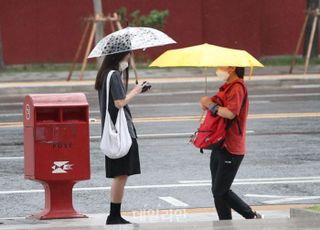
x,y
226,158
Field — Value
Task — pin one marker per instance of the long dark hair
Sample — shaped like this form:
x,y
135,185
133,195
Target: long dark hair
x,y
111,62
240,72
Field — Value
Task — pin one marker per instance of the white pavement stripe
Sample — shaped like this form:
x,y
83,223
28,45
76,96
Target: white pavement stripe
x,y
11,103
264,196
173,201
8,192
197,92
256,179
250,96
291,199
139,106
310,86
179,104
11,158
131,106
163,135
285,95
154,135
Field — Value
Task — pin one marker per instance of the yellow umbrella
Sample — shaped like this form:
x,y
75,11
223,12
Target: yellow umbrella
x,y
206,55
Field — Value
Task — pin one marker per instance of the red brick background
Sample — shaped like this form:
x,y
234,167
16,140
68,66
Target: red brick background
x,y
48,31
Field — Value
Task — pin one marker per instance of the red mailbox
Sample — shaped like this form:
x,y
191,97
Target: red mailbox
x,y
56,148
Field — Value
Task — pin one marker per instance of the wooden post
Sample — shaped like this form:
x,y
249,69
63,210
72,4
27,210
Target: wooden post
x,y
89,45
294,58
313,31
84,35
92,22
312,5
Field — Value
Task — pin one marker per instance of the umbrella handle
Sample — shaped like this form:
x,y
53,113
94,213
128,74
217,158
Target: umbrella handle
x,y
133,65
251,72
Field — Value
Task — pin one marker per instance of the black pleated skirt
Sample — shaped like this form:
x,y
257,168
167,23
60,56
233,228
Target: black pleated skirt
x,y
127,165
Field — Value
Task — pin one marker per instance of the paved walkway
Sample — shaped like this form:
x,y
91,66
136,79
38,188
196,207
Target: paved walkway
x,y
276,217
146,73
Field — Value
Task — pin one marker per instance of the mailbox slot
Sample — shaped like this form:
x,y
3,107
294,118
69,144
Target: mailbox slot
x,y
47,114
74,114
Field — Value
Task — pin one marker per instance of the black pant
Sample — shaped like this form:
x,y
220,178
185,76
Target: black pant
x,y
224,167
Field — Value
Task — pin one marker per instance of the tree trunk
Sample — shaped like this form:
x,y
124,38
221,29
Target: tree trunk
x,y
97,6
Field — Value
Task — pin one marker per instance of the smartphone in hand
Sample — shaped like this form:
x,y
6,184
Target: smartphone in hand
x,y
145,86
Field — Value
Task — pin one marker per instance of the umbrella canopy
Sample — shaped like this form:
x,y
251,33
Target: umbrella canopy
x,y
206,55
128,39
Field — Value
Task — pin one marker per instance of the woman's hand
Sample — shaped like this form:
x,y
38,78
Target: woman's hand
x,y
137,89
134,92
205,101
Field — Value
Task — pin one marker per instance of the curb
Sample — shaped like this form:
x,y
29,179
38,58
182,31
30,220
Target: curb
x,y
303,213
199,78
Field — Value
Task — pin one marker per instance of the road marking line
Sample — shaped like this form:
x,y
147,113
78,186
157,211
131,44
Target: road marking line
x,y
8,192
191,118
154,79
264,196
11,103
196,92
173,201
309,86
255,179
142,106
278,201
11,158
193,92
285,95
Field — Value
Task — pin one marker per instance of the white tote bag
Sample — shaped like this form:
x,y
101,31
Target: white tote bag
x,y
116,140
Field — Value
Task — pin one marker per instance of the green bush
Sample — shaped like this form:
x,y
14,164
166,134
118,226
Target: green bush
x,y
155,19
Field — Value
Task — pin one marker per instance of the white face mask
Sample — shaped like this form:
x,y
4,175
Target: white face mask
x,y
123,65
222,75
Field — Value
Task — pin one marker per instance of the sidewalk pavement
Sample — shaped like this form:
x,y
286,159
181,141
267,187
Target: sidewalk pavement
x,y
18,81
276,217
147,73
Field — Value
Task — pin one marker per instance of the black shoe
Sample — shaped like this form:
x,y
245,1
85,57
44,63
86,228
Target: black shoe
x,y
116,220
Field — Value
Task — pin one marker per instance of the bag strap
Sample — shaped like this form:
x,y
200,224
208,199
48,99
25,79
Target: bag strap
x,y
108,87
242,105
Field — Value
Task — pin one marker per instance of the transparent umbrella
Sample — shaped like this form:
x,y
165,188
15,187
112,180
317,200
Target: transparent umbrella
x,y
128,39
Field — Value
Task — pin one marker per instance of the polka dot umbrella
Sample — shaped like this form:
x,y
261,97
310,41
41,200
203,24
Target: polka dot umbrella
x,y
128,39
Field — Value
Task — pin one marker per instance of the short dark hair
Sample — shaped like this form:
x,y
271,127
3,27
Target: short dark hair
x,y
240,72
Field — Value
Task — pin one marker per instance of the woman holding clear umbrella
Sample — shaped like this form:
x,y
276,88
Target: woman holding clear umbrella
x,y
118,169
117,48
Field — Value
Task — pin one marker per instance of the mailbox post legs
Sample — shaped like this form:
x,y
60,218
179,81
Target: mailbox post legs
x,y
58,201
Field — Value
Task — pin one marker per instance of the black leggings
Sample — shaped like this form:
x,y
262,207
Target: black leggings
x,y
224,167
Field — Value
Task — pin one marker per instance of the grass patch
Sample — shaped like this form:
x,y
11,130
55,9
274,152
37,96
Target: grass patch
x,y
286,61
267,61
43,68
54,67
315,208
